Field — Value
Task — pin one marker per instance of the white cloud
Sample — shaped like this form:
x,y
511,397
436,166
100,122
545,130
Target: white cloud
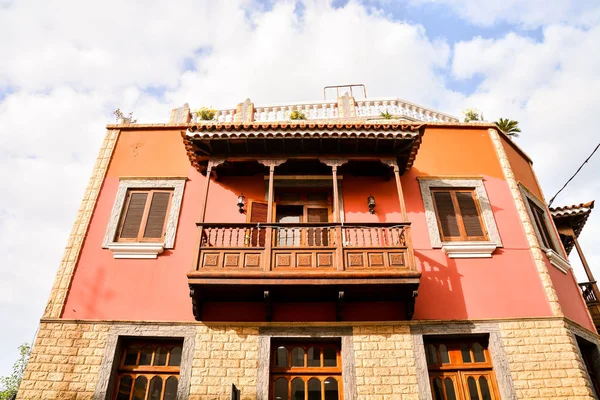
x,y
529,14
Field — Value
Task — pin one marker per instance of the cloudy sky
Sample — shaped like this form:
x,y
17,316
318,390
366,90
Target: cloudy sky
x,y
65,65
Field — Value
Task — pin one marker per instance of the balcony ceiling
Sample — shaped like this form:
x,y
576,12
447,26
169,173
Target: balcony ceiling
x,y
289,140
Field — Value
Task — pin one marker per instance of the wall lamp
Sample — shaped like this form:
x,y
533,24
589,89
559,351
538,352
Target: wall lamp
x,y
241,202
371,203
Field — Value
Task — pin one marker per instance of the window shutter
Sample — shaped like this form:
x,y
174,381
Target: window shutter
x,y
540,222
317,214
135,213
469,213
258,212
157,215
446,214
317,236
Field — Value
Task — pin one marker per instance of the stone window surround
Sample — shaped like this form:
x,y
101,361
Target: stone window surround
x,y
556,259
112,352
144,249
266,334
496,349
458,249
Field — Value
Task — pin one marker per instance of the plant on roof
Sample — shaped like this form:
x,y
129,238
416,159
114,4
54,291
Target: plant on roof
x,y
509,126
122,119
472,114
297,115
386,115
206,113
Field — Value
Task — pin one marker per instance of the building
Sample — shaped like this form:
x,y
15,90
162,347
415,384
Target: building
x,y
346,256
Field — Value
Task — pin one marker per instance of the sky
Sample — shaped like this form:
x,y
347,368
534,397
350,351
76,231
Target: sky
x,y
66,65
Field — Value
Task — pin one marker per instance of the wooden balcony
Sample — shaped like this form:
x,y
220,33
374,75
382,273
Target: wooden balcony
x,y
307,262
589,290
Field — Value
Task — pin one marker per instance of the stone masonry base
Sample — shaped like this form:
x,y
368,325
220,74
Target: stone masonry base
x,y
532,358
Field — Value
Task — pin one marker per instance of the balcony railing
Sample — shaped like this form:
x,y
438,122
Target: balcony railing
x,y
589,295
329,110
313,248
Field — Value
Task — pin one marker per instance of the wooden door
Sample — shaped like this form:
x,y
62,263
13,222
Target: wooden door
x,y
317,236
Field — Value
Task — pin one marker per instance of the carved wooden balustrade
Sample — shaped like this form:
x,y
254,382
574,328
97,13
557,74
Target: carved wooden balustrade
x,y
589,290
305,249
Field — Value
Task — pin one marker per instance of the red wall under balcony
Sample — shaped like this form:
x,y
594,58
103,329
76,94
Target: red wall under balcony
x,y
506,285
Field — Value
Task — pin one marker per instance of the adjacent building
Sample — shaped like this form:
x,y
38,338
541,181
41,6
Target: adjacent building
x,y
375,250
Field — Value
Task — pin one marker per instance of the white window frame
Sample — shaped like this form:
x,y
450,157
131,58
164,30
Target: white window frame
x,y
458,249
558,260
145,249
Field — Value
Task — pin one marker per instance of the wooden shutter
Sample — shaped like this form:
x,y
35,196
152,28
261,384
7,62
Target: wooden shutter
x,y
134,215
257,213
157,215
470,214
446,214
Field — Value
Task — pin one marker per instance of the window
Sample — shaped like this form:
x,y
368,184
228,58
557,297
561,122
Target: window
x,y
541,227
460,369
547,238
459,217
306,370
144,215
148,370
458,214
143,220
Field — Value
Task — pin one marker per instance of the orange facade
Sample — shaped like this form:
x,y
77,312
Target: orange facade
x,y
505,285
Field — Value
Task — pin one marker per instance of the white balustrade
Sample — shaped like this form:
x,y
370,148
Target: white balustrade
x,y
329,110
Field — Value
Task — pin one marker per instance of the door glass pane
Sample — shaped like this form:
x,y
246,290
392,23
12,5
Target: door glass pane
x,y
155,388
473,388
478,352
314,357
281,357
331,389
445,359
171,388
485,389
131,356
298,357
175,359
124,388
160,358
438,392
281,389
431,354
139,390
466,353
314,389
297,389
450,393
145,356
329,357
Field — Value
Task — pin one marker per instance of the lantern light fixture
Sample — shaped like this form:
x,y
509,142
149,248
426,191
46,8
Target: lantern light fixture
x,y
241,202
371,203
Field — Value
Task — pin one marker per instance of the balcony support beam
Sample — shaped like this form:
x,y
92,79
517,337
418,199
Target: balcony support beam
x,y
394,165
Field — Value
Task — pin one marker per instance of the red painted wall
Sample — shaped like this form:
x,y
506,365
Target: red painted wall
x,y
506,285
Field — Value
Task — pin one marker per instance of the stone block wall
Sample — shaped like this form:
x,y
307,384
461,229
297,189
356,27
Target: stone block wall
x,y
385,363
544,360
73,360
223,356
65,362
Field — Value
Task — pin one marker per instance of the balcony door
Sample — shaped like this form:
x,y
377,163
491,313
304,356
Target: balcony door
x,y
299,208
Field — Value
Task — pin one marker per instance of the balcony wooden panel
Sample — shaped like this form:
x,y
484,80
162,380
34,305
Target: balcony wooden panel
x,y
305,262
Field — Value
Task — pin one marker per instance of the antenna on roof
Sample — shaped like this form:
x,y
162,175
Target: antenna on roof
x,y
343,89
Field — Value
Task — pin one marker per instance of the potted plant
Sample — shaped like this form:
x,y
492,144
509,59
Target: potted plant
x,y
296,115
472,114
205,113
